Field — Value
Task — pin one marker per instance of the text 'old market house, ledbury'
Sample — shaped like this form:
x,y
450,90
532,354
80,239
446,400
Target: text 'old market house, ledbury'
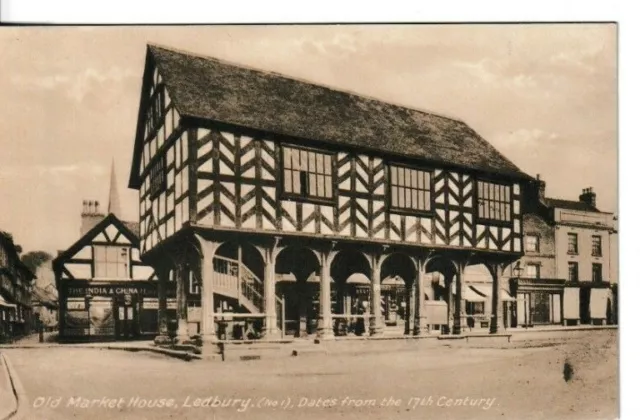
x,y
258,191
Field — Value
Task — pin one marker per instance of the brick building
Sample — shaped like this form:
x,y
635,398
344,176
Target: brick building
x,y
569,263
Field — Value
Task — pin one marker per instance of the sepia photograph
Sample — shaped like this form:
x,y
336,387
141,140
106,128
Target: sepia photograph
x,y
317,221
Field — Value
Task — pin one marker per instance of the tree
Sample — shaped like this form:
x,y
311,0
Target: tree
x,y
35,259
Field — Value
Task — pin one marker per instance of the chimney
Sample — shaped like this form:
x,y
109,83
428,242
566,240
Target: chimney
x,y
90,216
542,187
588,196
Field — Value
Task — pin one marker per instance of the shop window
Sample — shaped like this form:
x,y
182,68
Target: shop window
x,y
111,262
307,174
540,308
533,271
572,247
532,243
410,189
596,272
573,271
596,246
493,202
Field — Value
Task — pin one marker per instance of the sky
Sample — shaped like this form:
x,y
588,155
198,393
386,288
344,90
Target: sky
x,y
543,95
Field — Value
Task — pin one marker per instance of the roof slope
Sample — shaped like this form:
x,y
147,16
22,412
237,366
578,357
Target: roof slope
x,y
570,205
207,88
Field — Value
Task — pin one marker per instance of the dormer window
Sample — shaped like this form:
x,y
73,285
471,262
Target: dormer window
x,y
307,174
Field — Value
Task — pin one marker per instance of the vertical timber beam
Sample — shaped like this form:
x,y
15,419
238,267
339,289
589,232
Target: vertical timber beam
x,y
163,327
376,322
182,276
496,299
270,327
325,321
457,327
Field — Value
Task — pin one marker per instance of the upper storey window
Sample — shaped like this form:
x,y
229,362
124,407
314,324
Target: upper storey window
x,y
111,262
307,174
410,189
158,178
494,202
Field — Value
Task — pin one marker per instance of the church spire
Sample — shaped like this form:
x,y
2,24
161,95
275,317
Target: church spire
x,y
114,198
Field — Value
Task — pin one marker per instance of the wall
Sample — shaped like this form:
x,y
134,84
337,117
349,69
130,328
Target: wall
x,y
576,222
535,225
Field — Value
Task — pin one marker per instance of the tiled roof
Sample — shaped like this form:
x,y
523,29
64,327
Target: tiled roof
x,y
570,205
210,89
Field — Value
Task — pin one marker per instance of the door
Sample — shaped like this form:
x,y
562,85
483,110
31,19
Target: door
x,y
585,300
126,317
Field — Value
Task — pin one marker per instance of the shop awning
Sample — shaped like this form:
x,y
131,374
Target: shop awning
x,y
6,304
470,295
393,281
358,278
486,290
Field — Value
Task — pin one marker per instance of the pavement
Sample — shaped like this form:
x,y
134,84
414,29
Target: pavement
x,y
404,379
8,398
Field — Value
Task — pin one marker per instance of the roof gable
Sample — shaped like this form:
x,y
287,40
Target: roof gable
x,y
110,230
209,89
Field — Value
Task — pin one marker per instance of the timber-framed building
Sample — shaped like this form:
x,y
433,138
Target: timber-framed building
x,y
271,199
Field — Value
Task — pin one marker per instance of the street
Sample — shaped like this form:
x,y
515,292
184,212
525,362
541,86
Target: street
x,y
417,381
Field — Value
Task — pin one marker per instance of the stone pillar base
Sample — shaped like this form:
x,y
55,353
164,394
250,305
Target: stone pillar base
x,y
325,334
162,339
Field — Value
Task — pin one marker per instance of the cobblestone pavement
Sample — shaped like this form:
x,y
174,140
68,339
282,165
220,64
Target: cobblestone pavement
x,y
420,382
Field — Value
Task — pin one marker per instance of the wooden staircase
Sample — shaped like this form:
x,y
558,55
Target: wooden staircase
x,y
234,280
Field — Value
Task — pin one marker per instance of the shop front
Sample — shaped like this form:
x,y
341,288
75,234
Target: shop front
x,y
588,303
110,311
538,301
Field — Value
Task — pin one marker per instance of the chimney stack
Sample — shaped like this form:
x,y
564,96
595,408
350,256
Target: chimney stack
x,y
90,216
588,196
542,187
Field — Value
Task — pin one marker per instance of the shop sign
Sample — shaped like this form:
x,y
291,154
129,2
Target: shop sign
x,y
111,291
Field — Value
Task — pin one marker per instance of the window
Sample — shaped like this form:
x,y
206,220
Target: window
x,y
596,246
307,174
533,271
532,243
596,272
573,271
111,262
573,243
410,189
158,178
494,201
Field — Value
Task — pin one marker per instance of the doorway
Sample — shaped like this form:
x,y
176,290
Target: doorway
x,y
126,317
585,300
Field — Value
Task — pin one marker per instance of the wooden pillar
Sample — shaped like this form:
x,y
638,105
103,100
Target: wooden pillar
x,y
457,327
303,305
270,327
419,323
325,321
182,276
163,327
376,322
410,299
207,327
496,299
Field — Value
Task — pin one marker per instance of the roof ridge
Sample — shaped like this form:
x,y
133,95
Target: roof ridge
x,y
303,80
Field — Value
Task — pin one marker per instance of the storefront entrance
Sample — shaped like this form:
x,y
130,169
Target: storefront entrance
x,y
126,317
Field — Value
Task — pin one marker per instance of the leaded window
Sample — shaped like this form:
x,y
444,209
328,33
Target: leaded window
x,y
494,201
307,173
410,189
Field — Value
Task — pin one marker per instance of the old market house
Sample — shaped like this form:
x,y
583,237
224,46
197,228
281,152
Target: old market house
x,y
288,207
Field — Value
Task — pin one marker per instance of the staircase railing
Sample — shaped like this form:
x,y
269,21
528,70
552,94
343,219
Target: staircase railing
x,y
231,275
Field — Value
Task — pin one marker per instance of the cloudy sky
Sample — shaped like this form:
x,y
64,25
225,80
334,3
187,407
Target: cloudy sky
x,y
544,95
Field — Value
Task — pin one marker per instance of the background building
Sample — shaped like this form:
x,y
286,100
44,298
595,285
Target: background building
x,y
104,289
15,290
570,261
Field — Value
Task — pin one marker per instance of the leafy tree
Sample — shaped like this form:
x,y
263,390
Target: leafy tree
x,y
35,259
